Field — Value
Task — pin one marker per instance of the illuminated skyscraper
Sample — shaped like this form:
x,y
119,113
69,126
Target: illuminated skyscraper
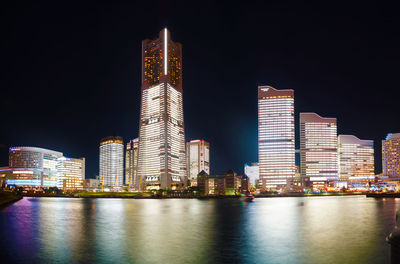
x,y
162,162
356,157
276,150
70,173
112,162
131,156
391,155
198,159
318,147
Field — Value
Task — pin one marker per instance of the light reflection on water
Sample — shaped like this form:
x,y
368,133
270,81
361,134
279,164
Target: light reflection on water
x,y
276,230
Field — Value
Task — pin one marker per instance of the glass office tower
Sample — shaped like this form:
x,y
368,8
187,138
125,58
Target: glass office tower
x,y
161,160
198,159
391,155
112,162
276,149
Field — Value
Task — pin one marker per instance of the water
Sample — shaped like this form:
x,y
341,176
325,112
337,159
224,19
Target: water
x,y
269,230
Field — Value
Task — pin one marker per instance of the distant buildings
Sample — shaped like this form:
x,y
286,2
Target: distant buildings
x,y
112,162
318,149
220,184
198,159
161,161
32,166
252,171
70,173
356,157
276,149
131,157
391,155
38,167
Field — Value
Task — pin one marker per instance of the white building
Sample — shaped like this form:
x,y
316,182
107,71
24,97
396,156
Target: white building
x,y
356,157
70,173
112,162
252,171
276,150
161,161
318,147
198,159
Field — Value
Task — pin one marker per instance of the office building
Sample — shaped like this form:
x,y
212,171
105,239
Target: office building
x,y
318,149
111,162
391,155
198,159
252,171
32,167
356,157
131,158
276,149
161,160
70,173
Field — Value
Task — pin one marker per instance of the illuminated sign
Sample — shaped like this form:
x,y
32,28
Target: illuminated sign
x,y
22,172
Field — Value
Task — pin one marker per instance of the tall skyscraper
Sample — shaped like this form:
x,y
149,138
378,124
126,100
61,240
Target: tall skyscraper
x,y
356,157
391,155
70,173
198,159
318,147
162,162
131,157
112,162
252,171
275,136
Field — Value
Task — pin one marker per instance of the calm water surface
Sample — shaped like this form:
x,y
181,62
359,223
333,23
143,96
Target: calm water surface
x,y
276,230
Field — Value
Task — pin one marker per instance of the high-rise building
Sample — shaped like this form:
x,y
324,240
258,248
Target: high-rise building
x,y
161,160
391,155
318,148
131,157
276,150
356,157
252,171
32,166
70,173
112,162
198,159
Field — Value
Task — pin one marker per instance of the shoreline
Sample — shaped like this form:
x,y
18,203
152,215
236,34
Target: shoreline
x,y
113,196
7,199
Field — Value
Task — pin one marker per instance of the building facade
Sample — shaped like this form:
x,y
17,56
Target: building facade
x,y
391,155
112,162
32,166
318,148
198,159
252,171
70,173
276,145
161,160
356,157
131,158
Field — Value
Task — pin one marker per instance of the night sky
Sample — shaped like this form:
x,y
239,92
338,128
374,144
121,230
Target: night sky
x,y
71,72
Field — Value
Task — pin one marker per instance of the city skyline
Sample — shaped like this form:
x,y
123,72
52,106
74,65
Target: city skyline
x,y
224,101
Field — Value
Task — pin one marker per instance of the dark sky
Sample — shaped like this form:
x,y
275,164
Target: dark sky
x,y
71,71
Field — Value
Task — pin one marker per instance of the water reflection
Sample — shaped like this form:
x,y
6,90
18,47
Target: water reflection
x,y
278,230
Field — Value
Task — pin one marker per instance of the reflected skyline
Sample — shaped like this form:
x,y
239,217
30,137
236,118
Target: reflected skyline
x,y
278,230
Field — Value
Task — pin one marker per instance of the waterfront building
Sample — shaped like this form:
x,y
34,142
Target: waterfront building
x,y
356,157
198,159
318,149
131,157
111,162
161,160
32,167
245,184
92,184
276,148
219,184
391,155
70,173
252,171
